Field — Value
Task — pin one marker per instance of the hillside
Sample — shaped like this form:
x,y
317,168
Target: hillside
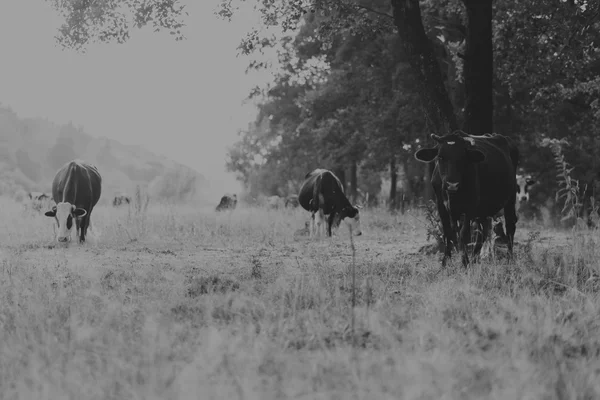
x,y
33,149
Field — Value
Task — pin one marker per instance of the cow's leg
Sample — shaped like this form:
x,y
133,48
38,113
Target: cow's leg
x,y
319,221
330,219
486,246
312,227
449,233
485,225
510,222
83,227
465,237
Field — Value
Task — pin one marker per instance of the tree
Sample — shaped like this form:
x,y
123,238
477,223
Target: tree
x,y
89,21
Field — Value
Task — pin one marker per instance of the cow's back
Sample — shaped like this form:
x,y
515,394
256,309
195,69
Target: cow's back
x,y
306,193
78,183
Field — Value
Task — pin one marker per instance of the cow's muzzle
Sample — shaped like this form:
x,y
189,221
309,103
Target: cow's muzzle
x,y
452,187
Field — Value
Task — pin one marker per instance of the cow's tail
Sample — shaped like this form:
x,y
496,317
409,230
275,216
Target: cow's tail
x,y
316,192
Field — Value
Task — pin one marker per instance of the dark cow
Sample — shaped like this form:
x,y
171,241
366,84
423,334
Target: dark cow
x,y
292,201
473,179
76,189
227,202
39,200
120,200
323,195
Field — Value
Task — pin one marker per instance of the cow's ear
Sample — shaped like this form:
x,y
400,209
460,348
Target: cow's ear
x,y
426,155
51,213
79,212
530,181
475,156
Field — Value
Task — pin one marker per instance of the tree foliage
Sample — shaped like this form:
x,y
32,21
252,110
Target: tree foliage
x,y
89,21
390,72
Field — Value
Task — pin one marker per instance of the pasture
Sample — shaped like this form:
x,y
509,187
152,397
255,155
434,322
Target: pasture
x,y
182,303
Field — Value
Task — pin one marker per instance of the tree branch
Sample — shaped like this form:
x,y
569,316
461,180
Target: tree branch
x,y
369,9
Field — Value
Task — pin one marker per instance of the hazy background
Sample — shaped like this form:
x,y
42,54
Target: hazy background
x,y
180,99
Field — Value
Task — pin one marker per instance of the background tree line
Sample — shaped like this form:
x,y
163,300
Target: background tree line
x,y
363,83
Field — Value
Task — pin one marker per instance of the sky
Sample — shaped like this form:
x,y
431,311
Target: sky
x,y
180,99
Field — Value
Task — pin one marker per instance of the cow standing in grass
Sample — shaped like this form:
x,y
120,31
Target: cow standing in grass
x,y
323,195
76,189
227,203
121,200
474,178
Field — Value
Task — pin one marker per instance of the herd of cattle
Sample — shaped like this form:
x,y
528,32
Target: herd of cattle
x,y
475,181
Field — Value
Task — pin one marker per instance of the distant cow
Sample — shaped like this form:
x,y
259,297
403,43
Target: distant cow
x,y
76,189
323,195
292,201
120,200
275,202
39,200
227,202
524,182
474,178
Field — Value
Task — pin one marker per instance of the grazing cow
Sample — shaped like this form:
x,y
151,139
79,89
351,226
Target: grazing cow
x,y
227,202
275,202
120,200
292,201
322,194
39,200
76,189
473,179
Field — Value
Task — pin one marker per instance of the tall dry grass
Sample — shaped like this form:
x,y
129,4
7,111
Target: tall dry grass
x,y
178,302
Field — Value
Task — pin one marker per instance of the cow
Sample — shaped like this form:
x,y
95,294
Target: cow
x,y
39,200
76,189
275,202
227,202
473,179
524,182
121,199
323,195
292,201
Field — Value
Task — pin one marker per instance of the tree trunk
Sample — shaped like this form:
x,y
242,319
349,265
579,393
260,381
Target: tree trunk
x,y
420,55
479,68
340,172
393,184
353,181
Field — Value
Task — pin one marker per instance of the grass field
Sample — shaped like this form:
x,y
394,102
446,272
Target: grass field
x,y
181,303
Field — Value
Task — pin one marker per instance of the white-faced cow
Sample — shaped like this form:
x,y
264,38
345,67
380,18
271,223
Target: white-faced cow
x,y
76,189
121,199
524,182
228,202
323,195
473,179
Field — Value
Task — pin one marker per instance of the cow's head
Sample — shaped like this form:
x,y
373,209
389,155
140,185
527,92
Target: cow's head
x,y
453,155
351,215
524,182
64,214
